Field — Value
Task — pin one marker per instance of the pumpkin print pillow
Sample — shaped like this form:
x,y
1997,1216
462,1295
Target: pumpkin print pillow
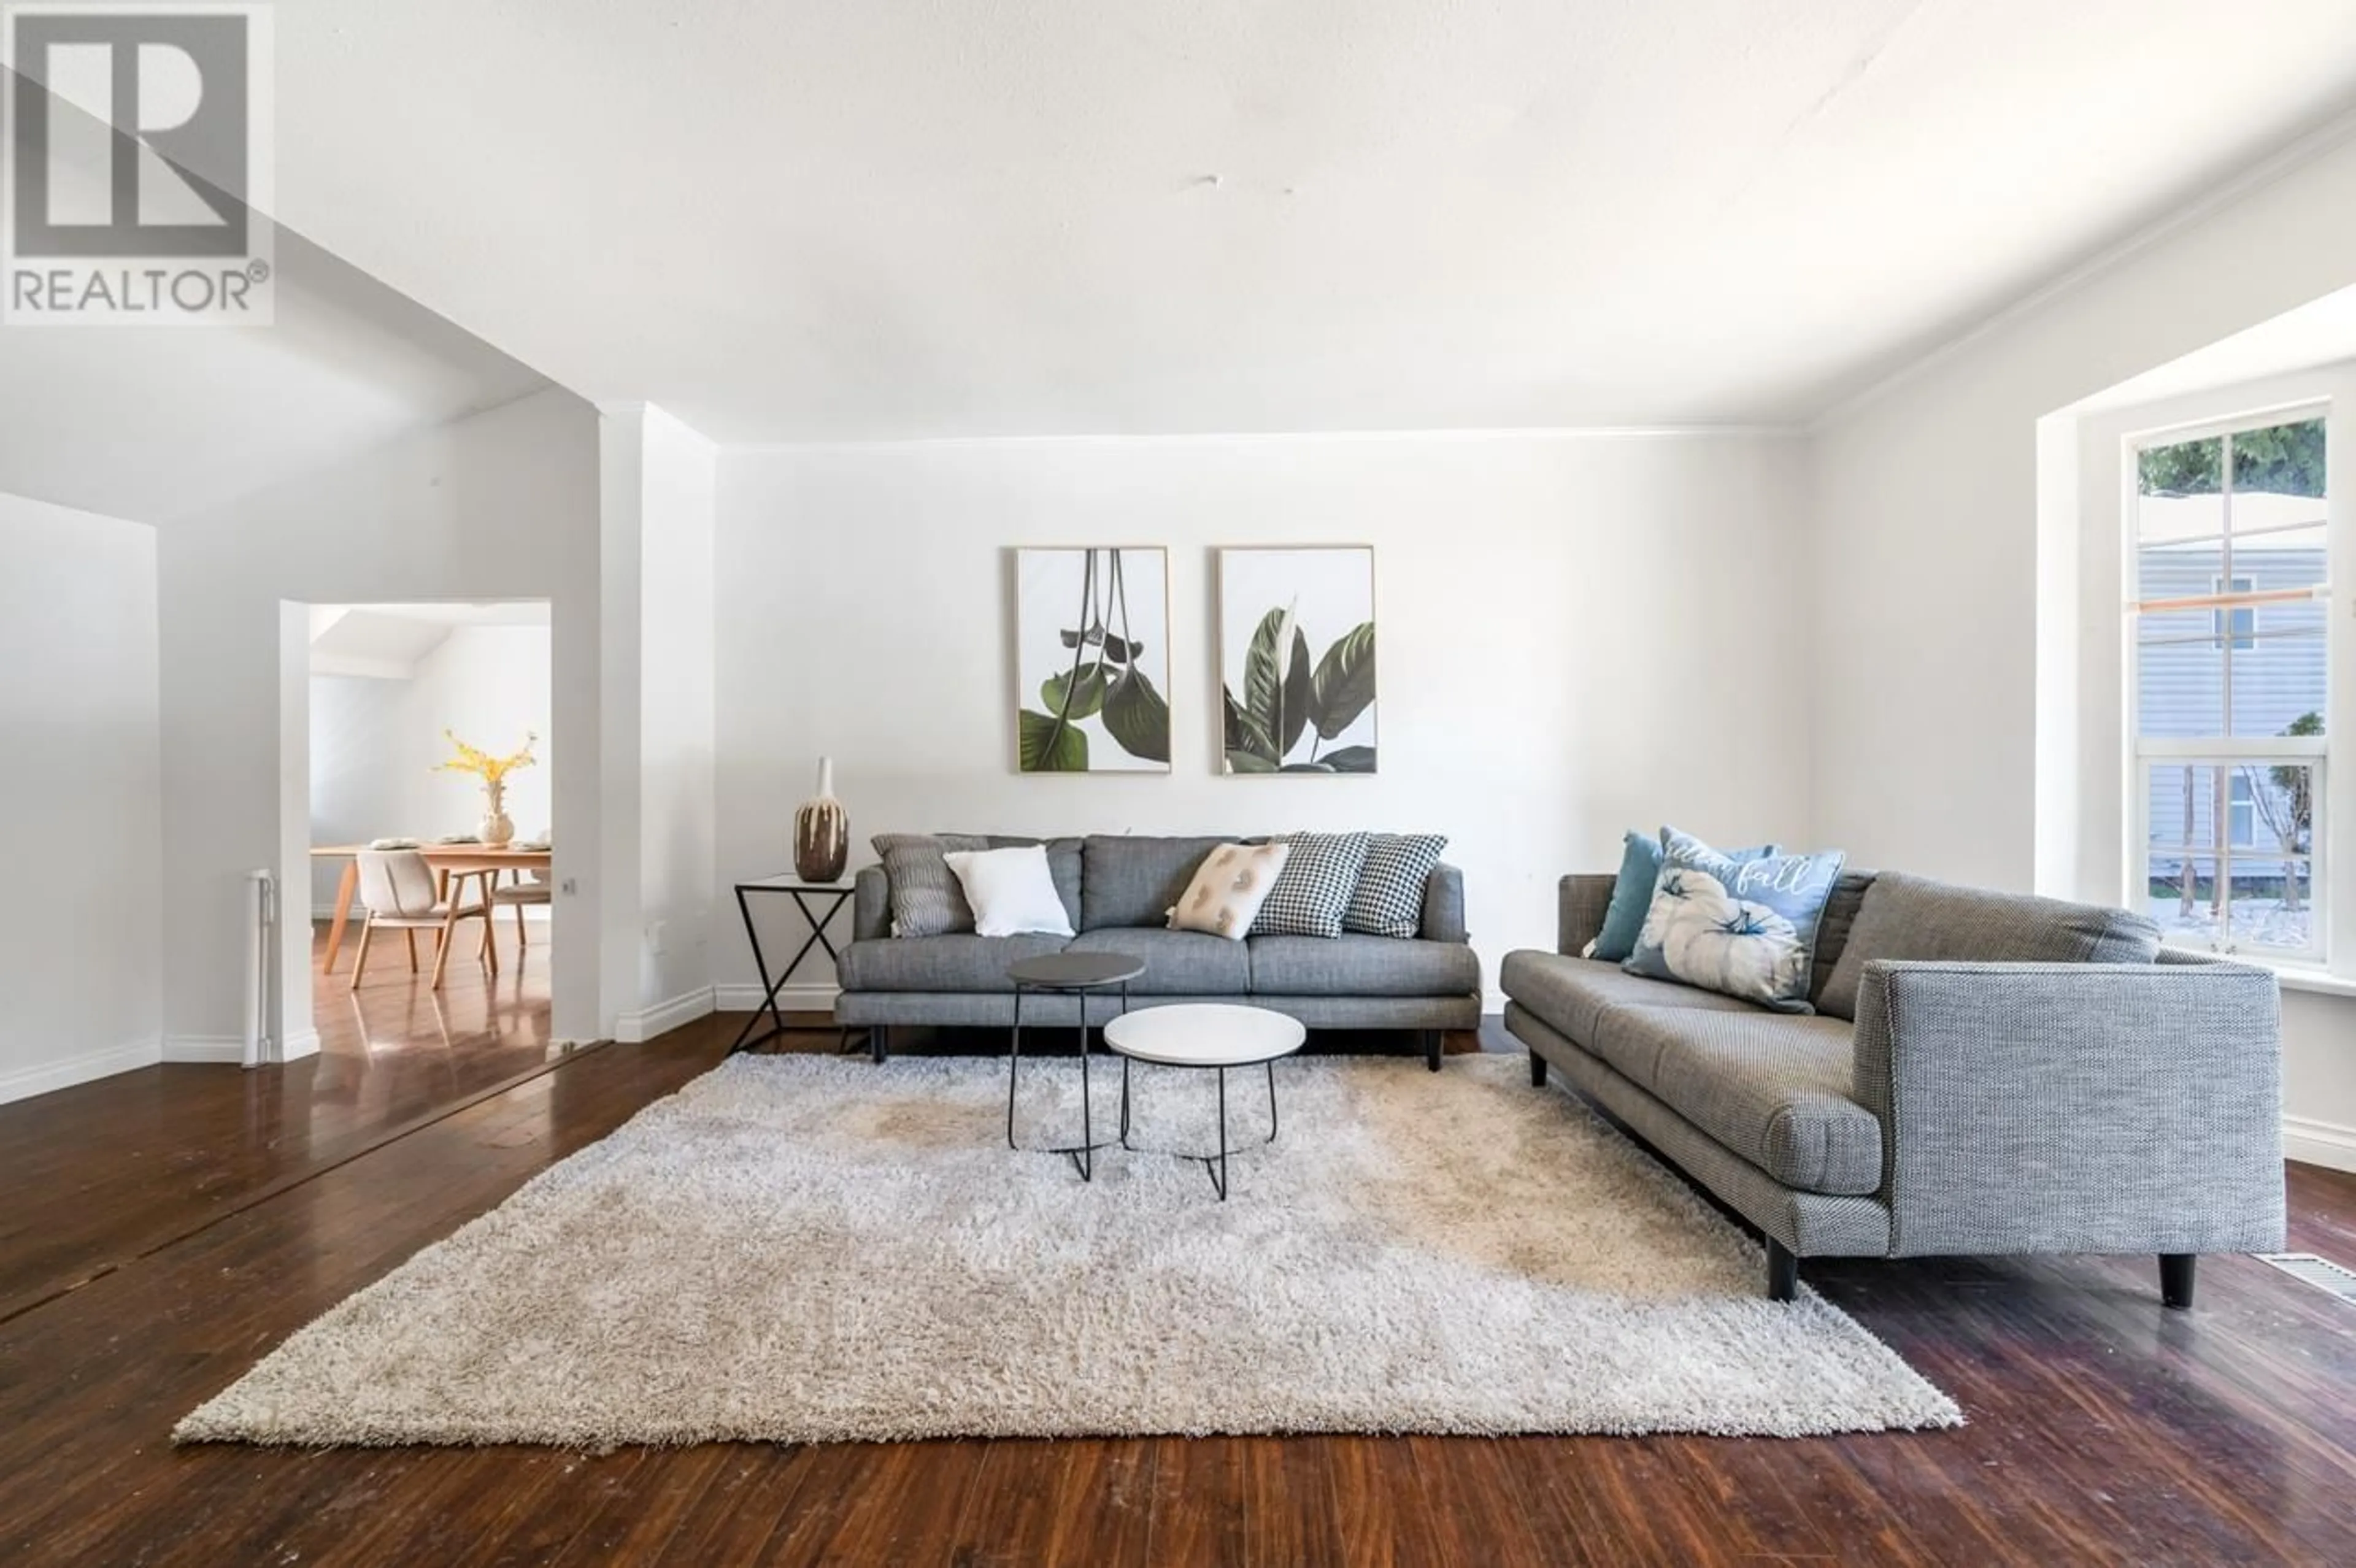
x,y
1745,929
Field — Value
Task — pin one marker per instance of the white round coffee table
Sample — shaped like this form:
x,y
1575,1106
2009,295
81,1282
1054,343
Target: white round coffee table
x,y
1217,1035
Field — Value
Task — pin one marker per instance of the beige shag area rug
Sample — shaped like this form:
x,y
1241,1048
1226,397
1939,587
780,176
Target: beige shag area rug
x,y
799,1249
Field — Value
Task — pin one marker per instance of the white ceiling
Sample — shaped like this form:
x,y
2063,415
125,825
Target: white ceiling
x,y
2320,332
842,219
386,641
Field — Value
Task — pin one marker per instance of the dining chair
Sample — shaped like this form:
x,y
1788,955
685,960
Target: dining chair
x,y
398,888
531,887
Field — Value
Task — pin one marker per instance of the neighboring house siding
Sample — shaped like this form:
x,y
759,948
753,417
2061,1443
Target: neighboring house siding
x,y
2277,677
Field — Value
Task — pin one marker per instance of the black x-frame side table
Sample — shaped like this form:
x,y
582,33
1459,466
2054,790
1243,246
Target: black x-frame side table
x,y
835,895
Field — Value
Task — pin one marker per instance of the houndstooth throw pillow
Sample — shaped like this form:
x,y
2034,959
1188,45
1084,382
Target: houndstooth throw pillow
x,y
1314,887
1389,898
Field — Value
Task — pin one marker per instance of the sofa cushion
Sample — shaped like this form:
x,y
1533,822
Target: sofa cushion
x,y
1177,963
1832,932
1572,995
961,962
1135,881
1772,1087
1362,966
1905,917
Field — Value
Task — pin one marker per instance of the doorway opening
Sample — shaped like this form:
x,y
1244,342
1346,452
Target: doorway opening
x,y
433,755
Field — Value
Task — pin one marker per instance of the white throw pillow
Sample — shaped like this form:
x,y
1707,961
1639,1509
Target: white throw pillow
x,y
1011,892
1225,897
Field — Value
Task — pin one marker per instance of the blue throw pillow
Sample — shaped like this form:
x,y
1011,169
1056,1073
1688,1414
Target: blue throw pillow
x,y
1631,895
1745,929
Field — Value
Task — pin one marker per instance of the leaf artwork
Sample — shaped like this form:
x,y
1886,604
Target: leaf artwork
x,y
1344,686
1102,681
1289,706
1086,695
1135,716
1277,693
1050,745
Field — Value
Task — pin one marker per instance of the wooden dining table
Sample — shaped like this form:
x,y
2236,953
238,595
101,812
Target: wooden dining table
x,y
447,860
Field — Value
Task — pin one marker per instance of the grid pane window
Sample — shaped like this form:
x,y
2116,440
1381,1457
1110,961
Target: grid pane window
x,y
2232,646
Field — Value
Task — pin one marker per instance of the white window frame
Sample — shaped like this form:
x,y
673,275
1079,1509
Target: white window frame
x,y
2226,751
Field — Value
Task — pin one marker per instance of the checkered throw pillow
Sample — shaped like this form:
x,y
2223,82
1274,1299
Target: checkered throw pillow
x,y
1389,897
1314,887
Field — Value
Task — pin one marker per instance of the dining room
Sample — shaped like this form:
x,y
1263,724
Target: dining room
x,y
432,765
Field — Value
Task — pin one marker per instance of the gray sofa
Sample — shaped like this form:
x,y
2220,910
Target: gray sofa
x,y
1985,1073
1116,890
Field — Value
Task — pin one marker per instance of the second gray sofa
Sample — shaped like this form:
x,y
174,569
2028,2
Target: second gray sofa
x,y
1985,1073
1117,890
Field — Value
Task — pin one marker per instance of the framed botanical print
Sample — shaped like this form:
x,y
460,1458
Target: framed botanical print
x,y
1092,660
1297,659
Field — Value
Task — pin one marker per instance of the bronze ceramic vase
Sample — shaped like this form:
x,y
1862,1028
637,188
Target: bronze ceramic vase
x,y
821,832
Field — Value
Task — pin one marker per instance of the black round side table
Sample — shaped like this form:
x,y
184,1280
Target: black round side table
x,y
1067,974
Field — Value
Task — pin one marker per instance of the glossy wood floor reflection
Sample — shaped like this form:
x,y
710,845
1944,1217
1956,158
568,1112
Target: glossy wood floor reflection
x,y
95,1174
2103,1428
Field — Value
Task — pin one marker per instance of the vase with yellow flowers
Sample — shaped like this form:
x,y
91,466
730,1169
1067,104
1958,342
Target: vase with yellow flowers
x,y
496,829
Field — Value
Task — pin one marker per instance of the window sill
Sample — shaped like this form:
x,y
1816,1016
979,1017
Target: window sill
x,y
2300,976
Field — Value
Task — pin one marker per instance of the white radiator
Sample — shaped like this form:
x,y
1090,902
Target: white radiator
x,y
262,918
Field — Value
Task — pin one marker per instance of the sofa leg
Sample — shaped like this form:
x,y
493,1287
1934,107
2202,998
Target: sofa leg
x,y
1783,1272
879,1042
2176,1279
1431,1042
1537,1070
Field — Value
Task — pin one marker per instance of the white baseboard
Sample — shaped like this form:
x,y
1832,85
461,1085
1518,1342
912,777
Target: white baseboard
x,y
206,1048
298,1045
634,1029
2319,1143
27,1081
799,996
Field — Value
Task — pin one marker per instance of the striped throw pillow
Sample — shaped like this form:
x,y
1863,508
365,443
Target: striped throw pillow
x,y
926,899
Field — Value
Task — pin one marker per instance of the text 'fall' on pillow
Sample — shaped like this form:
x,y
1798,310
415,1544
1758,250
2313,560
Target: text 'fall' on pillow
x,y
1744,929
1631,894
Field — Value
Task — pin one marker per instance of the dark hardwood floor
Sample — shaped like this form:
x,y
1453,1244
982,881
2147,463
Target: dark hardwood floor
x,y
2104,1429
127,1163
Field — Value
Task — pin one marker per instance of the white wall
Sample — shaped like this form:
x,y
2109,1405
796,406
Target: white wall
x,y
503,505
657,483
377,744
1579,634
1926,558
80,811
357,729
